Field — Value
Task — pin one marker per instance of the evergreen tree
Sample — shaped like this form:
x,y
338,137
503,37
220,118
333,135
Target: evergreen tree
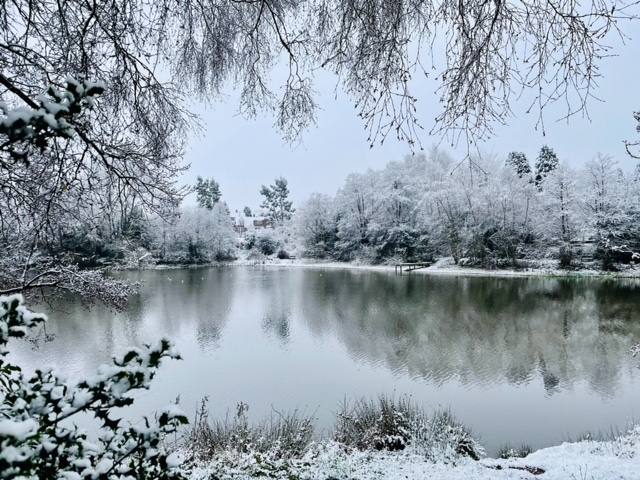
x,y
275,201
547,162
520,163
208,192
247,212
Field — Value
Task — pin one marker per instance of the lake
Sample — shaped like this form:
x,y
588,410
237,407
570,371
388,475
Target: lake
x,y
533,360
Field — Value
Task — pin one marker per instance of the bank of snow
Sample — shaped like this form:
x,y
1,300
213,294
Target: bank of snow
x,y
446,266
587,460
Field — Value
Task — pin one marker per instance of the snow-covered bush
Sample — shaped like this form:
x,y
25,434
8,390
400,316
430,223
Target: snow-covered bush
x,y
387,423
281,436
447,439
265,241
382,424
514,451
37,437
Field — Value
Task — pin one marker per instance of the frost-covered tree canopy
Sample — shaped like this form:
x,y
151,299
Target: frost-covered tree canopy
x,y
155,55
487,214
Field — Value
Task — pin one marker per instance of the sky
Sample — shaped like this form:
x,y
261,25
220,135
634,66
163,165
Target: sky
x,y
244,154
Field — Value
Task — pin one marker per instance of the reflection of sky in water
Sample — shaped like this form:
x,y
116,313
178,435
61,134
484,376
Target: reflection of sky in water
x,y
519,360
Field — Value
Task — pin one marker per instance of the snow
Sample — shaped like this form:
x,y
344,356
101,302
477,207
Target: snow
x,y
444,266
588,460
174,460
21,430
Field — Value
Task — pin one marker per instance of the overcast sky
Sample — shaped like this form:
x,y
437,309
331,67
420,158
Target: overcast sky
x,y
244,154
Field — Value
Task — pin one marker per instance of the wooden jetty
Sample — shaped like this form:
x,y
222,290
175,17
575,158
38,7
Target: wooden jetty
x,y
411,266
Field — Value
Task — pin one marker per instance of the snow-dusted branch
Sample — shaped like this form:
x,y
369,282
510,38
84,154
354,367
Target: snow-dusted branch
x,y
35,444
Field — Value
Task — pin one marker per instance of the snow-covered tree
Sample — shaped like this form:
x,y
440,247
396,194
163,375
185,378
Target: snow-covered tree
x,y
602,185
546,162
612,210
200,236
276,201
317,225
247,212
208,192
519,162
167,52
50,191
395,231
358,203
38,435
513,201
560,216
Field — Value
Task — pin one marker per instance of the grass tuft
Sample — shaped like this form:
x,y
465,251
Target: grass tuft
x,y
389,423
281,435
511,451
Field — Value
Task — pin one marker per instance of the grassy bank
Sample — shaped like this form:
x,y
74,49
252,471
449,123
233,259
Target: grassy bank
x,y
388,438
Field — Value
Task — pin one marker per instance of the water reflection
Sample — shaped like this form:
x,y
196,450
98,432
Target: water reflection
x,y
480,331
491,348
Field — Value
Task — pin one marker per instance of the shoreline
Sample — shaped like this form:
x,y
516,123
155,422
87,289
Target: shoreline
x,y
439,268
587,459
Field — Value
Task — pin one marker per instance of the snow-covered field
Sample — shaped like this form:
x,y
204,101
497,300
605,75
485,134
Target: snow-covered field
x,y
587,460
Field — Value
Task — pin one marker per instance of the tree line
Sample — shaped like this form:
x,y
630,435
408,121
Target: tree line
x,y
490,212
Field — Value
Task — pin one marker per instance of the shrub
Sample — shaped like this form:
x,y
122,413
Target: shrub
x,y
446,439
267,244
510,451
392,424
283,255
281,436
566,255
37,442
382,424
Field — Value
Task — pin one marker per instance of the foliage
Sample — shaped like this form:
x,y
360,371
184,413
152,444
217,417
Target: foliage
x,y
282,435
520,164
283,254
485,214
247,212
400,242
50,195
208,192
316,226
159,55
510,451
546,162
387,423
275,201
36,438
266,243
382,424
199,236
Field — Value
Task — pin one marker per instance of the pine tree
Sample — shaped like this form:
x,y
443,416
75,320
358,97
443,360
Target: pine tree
x,y
520,163
247,212
208,192
275,201
547,162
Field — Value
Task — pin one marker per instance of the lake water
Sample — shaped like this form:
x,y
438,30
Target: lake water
x,y
534,360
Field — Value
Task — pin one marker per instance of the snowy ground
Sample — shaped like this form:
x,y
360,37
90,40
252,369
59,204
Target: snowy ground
x,y
588,460
446,266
